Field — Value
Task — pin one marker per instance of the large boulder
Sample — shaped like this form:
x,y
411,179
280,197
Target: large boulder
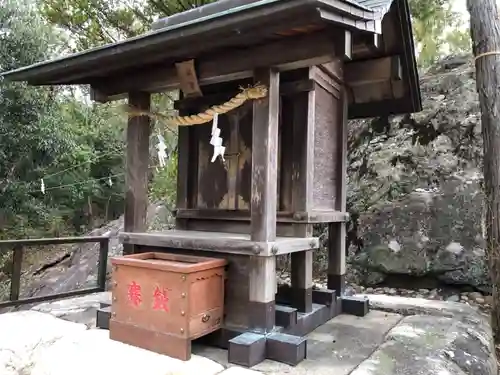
x,y
415,187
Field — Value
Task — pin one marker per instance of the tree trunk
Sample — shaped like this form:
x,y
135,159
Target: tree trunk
x,y
485,34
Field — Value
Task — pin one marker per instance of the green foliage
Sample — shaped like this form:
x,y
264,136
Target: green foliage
x,y
97,22
438,30
45,131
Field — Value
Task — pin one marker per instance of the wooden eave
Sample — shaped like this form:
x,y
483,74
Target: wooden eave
x,y
256,24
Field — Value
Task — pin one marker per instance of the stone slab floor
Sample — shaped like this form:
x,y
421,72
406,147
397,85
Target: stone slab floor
x,y
403,336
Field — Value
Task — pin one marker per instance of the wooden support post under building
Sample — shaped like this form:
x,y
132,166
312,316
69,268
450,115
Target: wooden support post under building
x,y
337,231
301,274
262,272
137,175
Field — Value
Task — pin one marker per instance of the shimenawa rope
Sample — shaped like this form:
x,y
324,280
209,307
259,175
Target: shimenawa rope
x,y
252,93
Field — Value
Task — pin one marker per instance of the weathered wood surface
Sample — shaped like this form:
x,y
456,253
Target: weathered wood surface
x,y
263,204
262,290
183,154
326,132
226,185
337,231
137,174
485,33
283,55
373,71
232,243
311,217
307,176
188,81
223,95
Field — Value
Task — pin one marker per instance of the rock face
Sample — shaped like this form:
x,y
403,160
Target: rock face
x,y
438,345
34,343
415,187
443,338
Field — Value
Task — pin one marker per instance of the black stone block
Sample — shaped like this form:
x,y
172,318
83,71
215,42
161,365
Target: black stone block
x,y
324,297
328,298
352,305
103,317
286,316
285,348
247,349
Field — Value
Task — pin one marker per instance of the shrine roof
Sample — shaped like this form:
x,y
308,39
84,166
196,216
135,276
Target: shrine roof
x,y
221,19
233,25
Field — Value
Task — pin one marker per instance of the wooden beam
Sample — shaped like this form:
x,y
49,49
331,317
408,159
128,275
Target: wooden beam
x,y
345,45
188,81
372,71
265,158
284,54
137,174
367,43
286,88
302,217
385,107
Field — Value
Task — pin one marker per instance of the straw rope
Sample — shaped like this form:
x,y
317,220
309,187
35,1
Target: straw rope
x,y
252,93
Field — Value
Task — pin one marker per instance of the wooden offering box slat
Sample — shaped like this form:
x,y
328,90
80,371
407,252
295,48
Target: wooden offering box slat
x,y
163,301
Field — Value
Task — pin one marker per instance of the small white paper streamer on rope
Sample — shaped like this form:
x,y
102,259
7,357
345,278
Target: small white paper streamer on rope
x,y
162,155
216,140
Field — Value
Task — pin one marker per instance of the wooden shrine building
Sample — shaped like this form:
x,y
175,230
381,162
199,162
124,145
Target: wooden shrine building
x,y
321,62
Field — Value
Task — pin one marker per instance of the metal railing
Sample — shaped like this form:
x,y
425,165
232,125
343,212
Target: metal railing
x,y
18,248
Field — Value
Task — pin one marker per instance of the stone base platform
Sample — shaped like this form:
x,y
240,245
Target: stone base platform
x,y
400,336
288,342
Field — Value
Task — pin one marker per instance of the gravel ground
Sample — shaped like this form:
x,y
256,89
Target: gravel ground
x,y
475,298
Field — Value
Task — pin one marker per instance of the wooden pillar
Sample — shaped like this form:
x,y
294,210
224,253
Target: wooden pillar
x,y
265,158
182,173
262,291
137,174
262,270
337,231
302,194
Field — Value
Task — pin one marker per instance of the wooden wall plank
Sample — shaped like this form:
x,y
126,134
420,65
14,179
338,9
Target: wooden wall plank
x,y
137,174
326,130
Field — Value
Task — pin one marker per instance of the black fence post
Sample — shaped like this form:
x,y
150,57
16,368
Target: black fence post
x,y
103,262
15,277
